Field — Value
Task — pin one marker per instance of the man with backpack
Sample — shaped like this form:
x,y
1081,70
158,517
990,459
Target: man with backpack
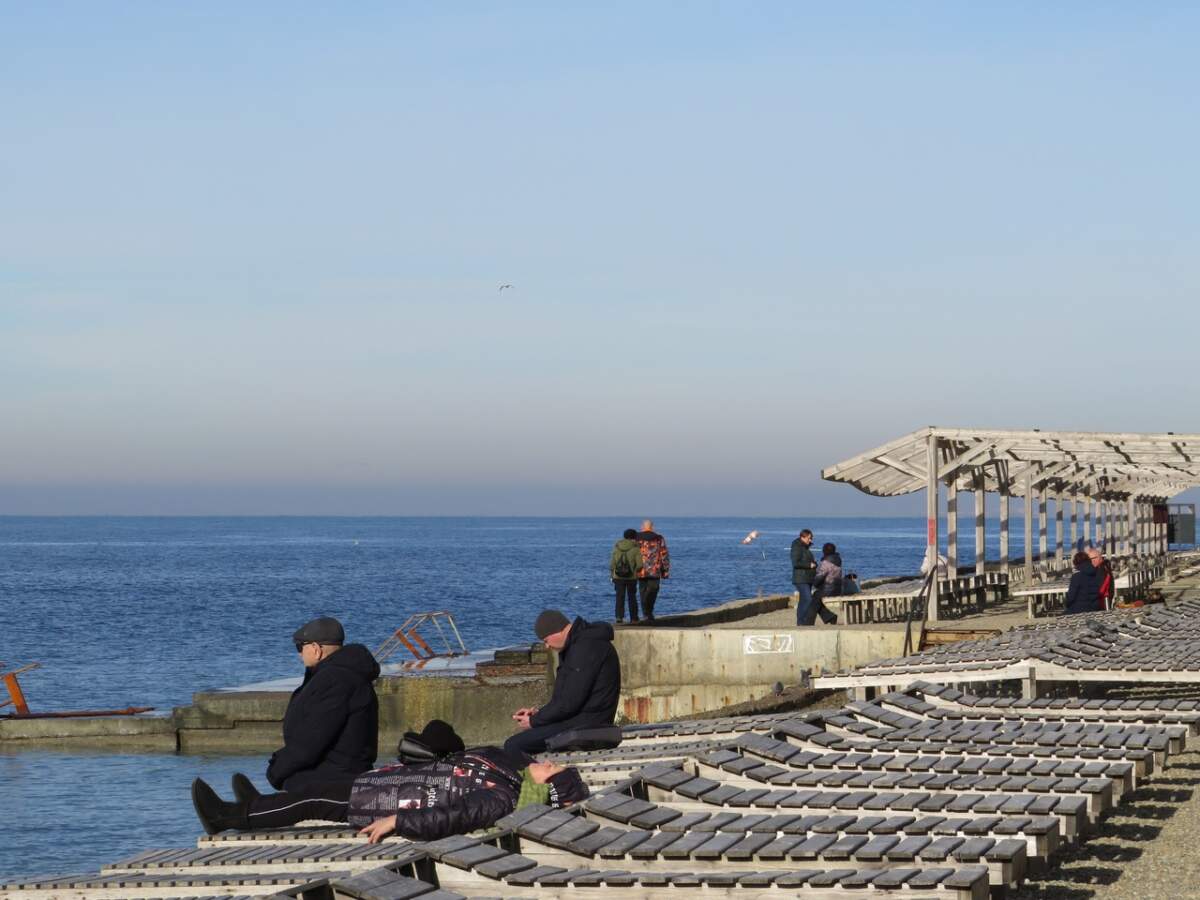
x,y
623,567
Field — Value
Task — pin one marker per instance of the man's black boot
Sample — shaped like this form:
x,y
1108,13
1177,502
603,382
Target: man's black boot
x,y
244,789
214,813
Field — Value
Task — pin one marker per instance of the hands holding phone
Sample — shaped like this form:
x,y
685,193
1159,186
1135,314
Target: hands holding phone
x,y
521,717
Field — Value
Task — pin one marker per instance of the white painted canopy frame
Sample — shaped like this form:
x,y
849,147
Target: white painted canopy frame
x,y
1108,480
1099,465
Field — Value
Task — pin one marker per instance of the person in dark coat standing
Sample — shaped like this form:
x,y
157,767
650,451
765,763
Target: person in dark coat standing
x,y
331,727
623,567
804,570
460,792
656,565
587,686
1083,592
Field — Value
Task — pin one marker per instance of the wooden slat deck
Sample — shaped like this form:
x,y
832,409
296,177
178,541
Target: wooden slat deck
x,y
1149,644
925,792
120,885
1101,783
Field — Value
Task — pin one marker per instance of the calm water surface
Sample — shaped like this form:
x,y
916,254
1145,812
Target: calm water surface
x,y
145,611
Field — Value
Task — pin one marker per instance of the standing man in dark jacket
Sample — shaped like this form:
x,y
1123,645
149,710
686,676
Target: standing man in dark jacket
x,y
587,686
1083,593
331,727
656,565
804,570
623,567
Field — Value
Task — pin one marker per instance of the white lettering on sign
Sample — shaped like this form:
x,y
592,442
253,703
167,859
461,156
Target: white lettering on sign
x,y
768,643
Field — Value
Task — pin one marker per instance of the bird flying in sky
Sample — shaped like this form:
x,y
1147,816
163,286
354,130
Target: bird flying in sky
x,y
503,286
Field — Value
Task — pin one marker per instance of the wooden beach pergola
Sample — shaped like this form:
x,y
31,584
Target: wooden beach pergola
x,y
1109,482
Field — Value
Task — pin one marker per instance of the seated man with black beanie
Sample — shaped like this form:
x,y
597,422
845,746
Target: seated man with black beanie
x,y
587,686
457,793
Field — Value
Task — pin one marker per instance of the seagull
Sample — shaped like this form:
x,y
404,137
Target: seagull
x,y
503,286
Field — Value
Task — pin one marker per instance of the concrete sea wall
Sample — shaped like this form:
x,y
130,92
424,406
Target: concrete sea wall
x,y
684,665
677,669
479,703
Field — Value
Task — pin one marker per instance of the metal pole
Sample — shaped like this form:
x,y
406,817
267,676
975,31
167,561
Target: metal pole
x,y
1042,524
1029,527
931,521
1073,509
980,525
1004,501
952,526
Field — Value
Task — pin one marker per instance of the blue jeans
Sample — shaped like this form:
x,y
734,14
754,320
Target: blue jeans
x,y
809,607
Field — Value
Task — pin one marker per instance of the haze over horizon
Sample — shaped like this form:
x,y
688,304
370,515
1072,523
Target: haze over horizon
x,y
251,256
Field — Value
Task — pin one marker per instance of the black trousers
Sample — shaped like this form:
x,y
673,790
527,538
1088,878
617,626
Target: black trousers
x,y
330,801
532,741
626,589
648,593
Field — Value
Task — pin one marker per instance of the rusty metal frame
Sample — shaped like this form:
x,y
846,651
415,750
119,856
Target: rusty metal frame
x,y
16,696
408,637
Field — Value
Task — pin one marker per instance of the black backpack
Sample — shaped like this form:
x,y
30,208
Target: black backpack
x,y
623,568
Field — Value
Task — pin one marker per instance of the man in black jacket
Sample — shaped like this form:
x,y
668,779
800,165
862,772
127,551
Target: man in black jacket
x,y
587,686
331,727
457,793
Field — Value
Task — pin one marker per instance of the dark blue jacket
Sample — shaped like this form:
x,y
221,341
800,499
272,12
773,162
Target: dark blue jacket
x,y
1083,593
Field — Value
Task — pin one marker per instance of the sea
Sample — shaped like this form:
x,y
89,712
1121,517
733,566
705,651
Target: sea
x,y
133,611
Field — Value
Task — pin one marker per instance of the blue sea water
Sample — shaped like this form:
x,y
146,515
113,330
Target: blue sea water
x,y
146,611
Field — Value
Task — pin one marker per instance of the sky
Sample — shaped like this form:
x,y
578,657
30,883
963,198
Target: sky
x,y
251,254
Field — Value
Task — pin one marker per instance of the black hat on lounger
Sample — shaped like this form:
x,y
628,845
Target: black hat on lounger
x,y
567,787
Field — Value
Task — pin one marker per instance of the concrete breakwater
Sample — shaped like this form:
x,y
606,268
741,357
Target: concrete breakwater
x,y
479,691
686,664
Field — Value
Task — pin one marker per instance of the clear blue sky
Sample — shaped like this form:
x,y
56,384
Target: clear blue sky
x,y
250,253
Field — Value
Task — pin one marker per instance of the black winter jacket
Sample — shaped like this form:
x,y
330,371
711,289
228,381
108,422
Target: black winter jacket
x,y
460,793
804,567
587,686
331,727
1083,593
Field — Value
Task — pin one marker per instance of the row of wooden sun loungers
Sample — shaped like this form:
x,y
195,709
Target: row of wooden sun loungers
x,y
1150,644
923,793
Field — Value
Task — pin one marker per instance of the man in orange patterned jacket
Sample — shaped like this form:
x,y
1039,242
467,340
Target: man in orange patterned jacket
x,y
656,565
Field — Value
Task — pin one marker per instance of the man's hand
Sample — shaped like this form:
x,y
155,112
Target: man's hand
x,y
521,717
379,829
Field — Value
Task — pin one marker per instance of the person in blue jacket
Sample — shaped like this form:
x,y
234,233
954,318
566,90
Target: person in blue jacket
x,y
1083,593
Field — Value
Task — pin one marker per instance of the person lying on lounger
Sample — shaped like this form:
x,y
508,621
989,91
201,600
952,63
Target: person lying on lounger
x,y
424,801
